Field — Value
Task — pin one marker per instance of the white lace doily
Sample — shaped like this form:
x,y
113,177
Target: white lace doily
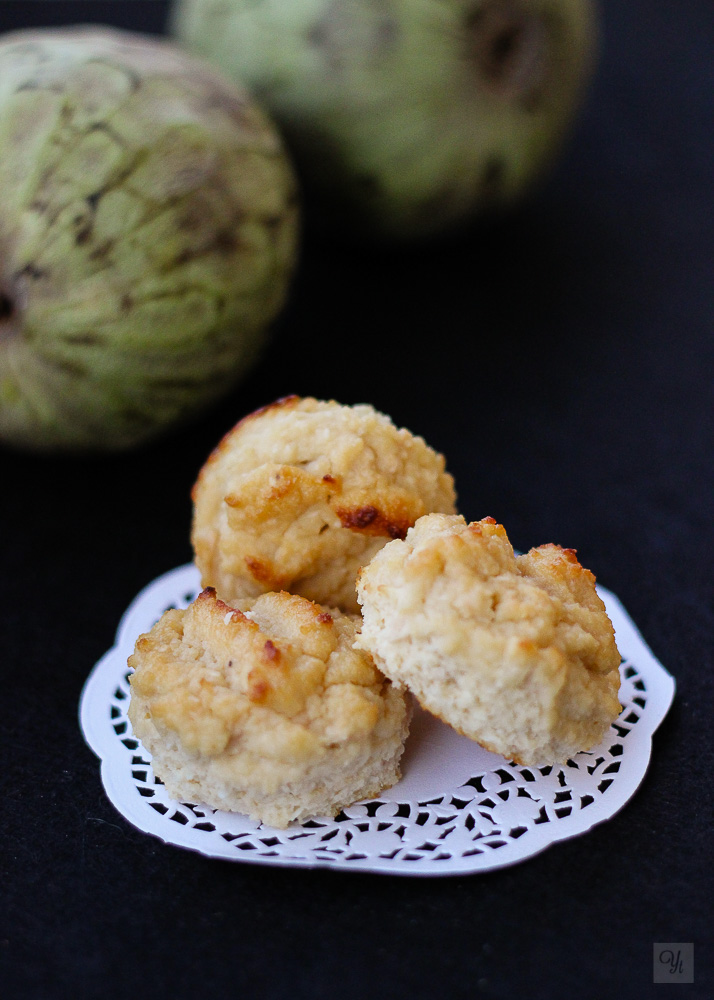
x,y
457,809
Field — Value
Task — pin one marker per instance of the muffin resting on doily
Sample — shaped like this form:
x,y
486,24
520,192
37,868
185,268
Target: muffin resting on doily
x,y
266,709
516,652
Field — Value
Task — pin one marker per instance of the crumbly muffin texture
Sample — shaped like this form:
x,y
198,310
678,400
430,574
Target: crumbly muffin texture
x,y
302,493
516,652
266,709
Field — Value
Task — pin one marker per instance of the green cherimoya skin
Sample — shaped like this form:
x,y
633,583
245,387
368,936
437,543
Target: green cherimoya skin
x,y
406,117
148,232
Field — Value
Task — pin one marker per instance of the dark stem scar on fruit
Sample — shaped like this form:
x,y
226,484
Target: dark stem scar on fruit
x,y
507,42
6,307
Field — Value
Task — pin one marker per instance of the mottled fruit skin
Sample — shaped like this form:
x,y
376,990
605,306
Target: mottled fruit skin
x,y
148,232
406,117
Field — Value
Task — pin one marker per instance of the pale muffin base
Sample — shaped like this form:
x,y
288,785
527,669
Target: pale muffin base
x,y
345,775
268,711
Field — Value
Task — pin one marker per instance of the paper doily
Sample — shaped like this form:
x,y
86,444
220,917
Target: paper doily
x,y
457,809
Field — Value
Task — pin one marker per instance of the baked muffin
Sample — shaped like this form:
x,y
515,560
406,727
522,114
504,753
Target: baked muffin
x,y
516,652
268,710
302,493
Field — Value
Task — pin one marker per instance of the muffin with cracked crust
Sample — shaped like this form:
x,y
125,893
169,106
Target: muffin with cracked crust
x,y
267,709
302,493
516,652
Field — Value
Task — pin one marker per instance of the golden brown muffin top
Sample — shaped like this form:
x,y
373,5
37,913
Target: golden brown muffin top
x,y
280,676
302,493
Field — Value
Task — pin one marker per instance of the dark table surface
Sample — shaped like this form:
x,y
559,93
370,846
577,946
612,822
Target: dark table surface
x,y
563,360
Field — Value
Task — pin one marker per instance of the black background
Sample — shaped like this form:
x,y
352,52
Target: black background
x,y
562,358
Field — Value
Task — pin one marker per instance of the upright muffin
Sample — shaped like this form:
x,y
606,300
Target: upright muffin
x,y
268,710
301,494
